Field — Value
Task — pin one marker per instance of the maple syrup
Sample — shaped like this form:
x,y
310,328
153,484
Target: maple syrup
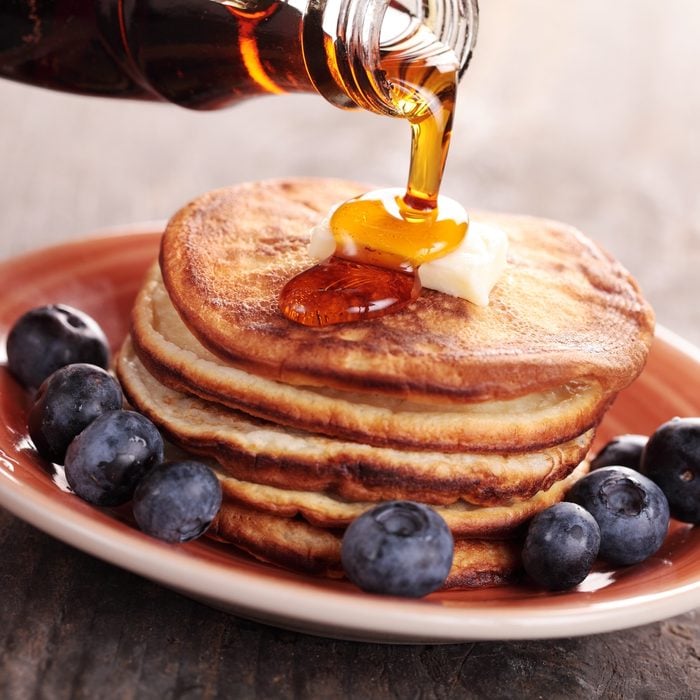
x,y
397,57
341,290
383,237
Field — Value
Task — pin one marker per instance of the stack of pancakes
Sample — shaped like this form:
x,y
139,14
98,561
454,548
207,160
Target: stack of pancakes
x,y
484,413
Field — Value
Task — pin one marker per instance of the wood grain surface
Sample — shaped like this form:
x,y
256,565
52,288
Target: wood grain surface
x,y
585,112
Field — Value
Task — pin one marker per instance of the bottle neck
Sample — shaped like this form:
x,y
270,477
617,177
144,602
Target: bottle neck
x,y
347,44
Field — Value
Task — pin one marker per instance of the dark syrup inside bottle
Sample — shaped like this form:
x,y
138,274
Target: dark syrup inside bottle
x,y
196,53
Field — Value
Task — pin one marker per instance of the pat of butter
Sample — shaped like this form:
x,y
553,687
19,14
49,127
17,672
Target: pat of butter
x,y
470,271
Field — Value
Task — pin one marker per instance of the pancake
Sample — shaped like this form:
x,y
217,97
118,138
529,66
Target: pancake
x,y
464,519
258,451
300,546
180,361
563,311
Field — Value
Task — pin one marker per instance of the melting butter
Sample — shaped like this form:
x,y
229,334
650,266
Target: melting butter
x,y
470,271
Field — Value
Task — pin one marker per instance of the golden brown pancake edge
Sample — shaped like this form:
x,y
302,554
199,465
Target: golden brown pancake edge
x,y
353,471
464,520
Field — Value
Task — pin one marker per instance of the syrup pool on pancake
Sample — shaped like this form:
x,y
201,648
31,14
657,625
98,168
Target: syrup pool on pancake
x,y
383,236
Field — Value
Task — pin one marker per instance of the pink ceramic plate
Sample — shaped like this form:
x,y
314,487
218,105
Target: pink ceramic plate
x,y
102,275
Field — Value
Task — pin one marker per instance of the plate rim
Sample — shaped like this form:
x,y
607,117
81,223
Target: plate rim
x,y
310,606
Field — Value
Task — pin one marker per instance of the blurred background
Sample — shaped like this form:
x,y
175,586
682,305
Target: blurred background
x,y
586,112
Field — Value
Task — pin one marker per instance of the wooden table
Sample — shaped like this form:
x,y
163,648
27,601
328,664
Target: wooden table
x,y
586,112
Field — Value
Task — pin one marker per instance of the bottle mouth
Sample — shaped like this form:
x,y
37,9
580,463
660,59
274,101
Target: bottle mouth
x,y
454,23
359,34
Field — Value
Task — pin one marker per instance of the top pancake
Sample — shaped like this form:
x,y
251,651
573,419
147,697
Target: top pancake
x,y
563,310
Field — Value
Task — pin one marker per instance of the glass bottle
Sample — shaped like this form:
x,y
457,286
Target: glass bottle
x,y
203,54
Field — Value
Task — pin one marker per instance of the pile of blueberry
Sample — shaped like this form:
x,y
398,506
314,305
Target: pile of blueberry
x,y
111,456
620,512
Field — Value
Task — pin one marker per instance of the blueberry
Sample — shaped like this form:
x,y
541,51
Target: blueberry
x,y
561,545
107,460
177,501
672,460
67,402
621,451
398,548
631,512
50,337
